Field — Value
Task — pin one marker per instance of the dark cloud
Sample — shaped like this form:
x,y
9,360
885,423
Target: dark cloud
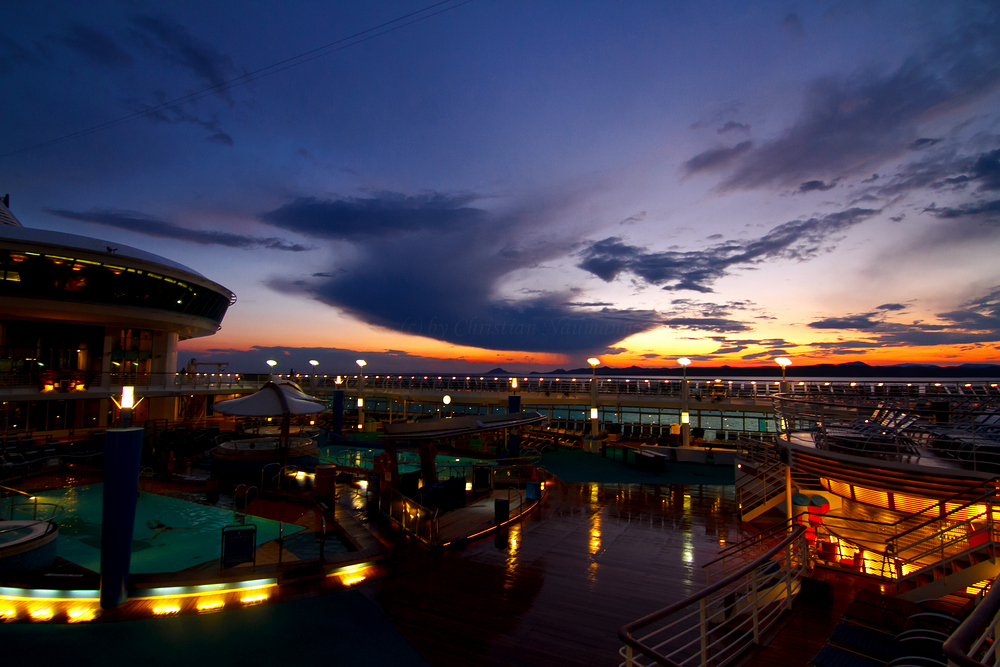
x,y
770,354
174,114
944,171
792,25
849,125
987,170
716,158
987,209
858,322
812,186
921,144
431,265
383,213
13,54
716,324
176,45
143,224
974,322
891,306
733,126
798,240
95,45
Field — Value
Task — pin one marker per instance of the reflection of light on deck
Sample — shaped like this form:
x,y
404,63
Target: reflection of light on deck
x,y
41,613
253,598
81,615
977,588
348,581
213,604
595,533
515,543
166,609
7,613
688,552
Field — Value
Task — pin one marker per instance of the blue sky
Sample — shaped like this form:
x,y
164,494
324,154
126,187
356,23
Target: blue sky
x,y
527,184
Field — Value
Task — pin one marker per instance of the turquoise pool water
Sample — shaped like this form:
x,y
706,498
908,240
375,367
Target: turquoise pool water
x,y
170,534
408,461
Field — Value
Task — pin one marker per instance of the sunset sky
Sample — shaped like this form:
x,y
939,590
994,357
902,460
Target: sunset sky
x,y
465,185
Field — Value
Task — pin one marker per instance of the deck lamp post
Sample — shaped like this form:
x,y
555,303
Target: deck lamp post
x,y
123,451
685,413
271,364
447,403
594,362
783,361
126,404
789,508
313,379
361,393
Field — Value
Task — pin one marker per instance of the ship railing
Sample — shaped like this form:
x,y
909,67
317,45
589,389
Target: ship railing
x,y
757,452
955,532
951,428
907,547
760,486
740,554
975,642
718,624
699,389
16,504
409,515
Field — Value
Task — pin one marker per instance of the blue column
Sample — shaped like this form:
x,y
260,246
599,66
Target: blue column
x,y
513,437
338,412
122,452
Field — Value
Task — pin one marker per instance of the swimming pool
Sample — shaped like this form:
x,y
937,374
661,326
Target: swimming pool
x,y
170,534
409,461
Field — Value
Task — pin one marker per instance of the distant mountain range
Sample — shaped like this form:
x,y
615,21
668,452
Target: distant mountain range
x,y
857,369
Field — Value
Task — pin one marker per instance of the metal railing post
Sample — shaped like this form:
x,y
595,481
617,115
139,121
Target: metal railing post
x,y
756,608
704,632
788,577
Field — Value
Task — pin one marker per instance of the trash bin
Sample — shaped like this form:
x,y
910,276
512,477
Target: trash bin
x,y
533,491
326,481
501,511
482,477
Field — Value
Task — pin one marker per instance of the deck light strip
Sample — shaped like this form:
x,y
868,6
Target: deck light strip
x,y
7,593
499,525
188,591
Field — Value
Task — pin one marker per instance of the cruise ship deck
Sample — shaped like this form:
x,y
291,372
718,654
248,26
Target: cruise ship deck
x,y
551,589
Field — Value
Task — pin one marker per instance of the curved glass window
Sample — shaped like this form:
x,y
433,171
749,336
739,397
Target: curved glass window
x,y
38,276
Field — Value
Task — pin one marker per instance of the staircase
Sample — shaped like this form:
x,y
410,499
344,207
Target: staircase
x,y
194,408
760,478
930,554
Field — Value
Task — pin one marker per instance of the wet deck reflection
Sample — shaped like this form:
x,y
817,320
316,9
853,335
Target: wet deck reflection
x,y
555,588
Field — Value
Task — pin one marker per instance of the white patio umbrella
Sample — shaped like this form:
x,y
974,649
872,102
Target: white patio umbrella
x,y
275,399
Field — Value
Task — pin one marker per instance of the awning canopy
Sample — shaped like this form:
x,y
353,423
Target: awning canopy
x,y
275,399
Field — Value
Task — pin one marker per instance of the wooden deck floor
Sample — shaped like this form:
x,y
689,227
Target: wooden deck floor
x,y
477,516
554,588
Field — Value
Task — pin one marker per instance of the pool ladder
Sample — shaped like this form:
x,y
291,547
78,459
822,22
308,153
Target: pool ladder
x,y
238,516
